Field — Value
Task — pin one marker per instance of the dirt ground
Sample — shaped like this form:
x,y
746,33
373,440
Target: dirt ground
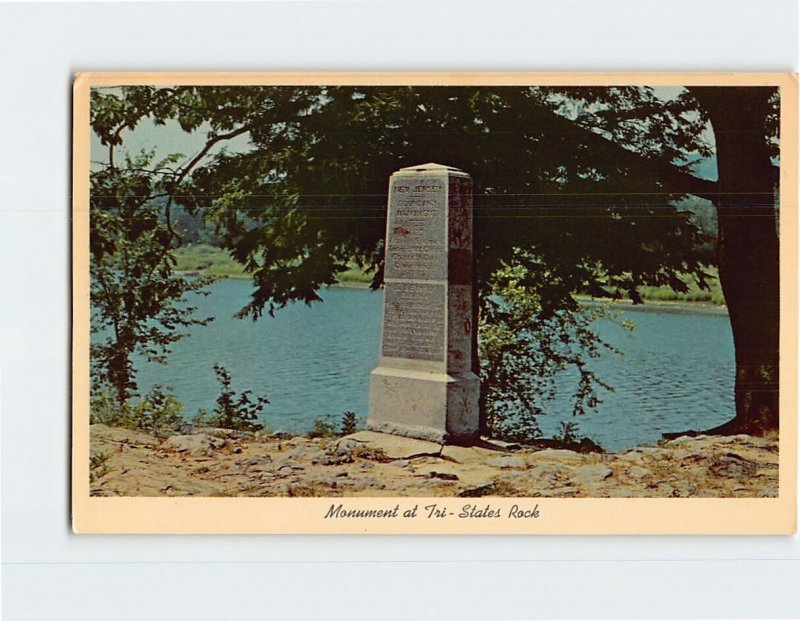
x,y
217,462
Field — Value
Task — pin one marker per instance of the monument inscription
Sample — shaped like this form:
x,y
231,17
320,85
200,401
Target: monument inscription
x,y
416,240
414,321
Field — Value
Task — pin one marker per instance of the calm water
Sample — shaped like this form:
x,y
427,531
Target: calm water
x,y
676,374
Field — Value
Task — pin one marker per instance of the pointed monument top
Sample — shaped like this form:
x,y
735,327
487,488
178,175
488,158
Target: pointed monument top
x,y
430,166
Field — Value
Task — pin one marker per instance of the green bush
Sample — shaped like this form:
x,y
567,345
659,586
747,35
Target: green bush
x,y
568,433
157,412
349,423
526,344
324,427
234,411
98,466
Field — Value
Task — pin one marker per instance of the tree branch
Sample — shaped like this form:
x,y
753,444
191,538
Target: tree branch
x,y
675,180
204,151
185,170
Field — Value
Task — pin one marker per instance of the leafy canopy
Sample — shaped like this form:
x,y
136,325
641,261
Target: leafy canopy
x,y
310,195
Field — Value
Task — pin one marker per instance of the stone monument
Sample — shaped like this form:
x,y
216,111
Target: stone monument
x,y
424,386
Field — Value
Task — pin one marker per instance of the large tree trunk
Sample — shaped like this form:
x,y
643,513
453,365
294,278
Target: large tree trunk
x,y
748,250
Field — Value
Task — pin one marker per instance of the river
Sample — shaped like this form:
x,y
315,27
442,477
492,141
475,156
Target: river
x,y
676,373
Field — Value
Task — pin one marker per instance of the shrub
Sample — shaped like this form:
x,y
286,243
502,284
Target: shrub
x,y
158,412
98,466
324,427
568,433
232,411
349,423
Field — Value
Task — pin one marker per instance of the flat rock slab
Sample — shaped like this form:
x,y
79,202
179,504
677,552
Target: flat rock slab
x,y
516,462
590,474
394,447
194,444
469,454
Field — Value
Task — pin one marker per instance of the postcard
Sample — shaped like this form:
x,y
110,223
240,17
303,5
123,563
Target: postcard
x,y
421,303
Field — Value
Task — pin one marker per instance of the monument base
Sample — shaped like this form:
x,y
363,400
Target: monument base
x,y
437,407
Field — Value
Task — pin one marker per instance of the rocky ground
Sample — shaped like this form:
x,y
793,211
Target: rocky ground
x,y
217,462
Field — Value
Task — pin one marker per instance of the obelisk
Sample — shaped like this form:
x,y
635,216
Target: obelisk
x,y
424,386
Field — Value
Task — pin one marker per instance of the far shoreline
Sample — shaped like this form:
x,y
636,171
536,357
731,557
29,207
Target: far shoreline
x,y
688,307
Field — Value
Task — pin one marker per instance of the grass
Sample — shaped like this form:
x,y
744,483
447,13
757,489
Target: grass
x,y
354,275
213,261
206,259
711,296
209,260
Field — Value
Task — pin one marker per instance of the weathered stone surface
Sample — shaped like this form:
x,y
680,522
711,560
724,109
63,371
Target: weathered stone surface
x,y
445,476
301,454
424,386
680,441
554,454
560,492
464,454
476,491
392,446
546,472
194,444
138,466
733,465
508,461
637,472
590,474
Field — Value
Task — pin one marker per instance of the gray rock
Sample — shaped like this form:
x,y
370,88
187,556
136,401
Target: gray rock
x,y
651,451
262,467
346,446
391,446
681,441
476,491
557,492
445,476
508,461
364,484
279,489
632,456
545,471
590,474
194,444
301,455
555,454
732,465
639,473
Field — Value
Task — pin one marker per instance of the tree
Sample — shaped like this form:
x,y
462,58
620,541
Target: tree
x,y
745,128
138,302
577,187
523,350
